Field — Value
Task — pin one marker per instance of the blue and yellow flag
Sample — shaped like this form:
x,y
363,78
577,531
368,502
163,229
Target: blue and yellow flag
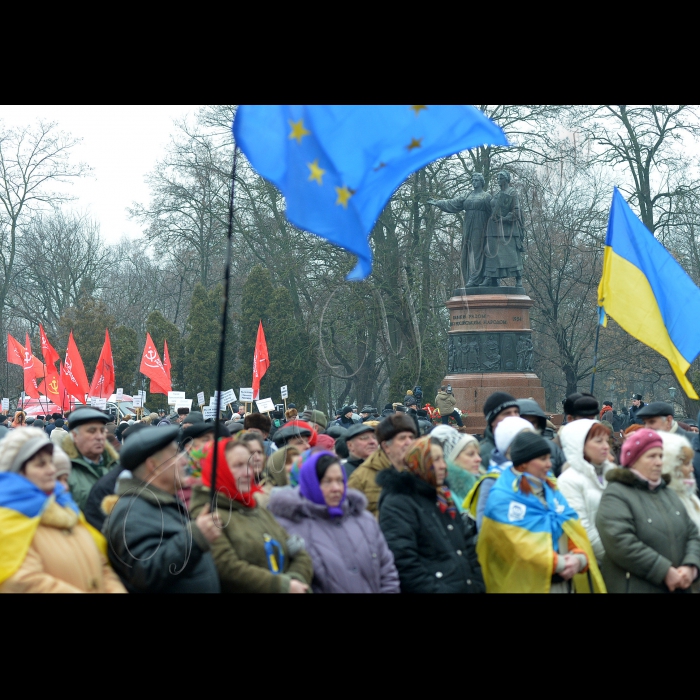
x,y
338,165
21,506
648,293
519,536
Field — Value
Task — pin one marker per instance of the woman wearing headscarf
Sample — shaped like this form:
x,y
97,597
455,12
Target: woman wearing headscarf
x,y
587,450
422,527
347,547
255,555
678,465
651,543
531,540
46,546
461,452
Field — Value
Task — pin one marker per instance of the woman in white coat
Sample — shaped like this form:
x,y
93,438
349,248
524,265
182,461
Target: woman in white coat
x,y
678,465
582,481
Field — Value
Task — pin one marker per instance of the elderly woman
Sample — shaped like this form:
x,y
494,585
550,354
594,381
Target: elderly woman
x,y
531,541
422,527
347,548
582,482
255,553
678,465
462,457
651,543
45,544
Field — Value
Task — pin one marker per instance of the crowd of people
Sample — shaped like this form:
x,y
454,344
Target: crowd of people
x,y
390,501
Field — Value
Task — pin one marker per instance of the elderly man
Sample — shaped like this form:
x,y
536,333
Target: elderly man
x,y
261,424
90,453
395,434
153,545
316,419
293,436
361,441
658,415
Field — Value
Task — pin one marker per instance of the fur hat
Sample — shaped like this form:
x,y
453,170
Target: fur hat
x,y
528,445
392,425
496,403
259,421
637,444
291,413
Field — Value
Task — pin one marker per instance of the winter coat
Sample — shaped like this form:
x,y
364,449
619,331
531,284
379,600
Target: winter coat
x,y
57,435
445,403
352,463
349,553
104,486
364,479
633,411
152,544
431,549
84,475
644,533
239,553
487,445
579,481
63,558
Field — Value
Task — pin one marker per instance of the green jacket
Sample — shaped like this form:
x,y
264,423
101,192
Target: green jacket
x,y
83,474
445,403
239,554
644,533
364,479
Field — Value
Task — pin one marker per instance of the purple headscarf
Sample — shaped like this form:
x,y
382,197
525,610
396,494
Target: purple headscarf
x,y
310,488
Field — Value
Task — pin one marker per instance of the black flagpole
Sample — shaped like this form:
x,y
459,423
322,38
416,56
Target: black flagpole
x,y
595,355
224,323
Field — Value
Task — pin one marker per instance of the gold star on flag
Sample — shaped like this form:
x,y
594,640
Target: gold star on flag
x,y
298,131
415,143
418,108
344,195
316,172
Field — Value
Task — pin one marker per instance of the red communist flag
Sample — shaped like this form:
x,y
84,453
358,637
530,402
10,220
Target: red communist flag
x,y
261,361
155,387
103,379
152,367
30,371
15,351
73,374
48,352
62,393
50,387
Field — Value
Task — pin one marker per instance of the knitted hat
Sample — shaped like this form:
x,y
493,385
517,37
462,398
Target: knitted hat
x,y
345,409
451,441
497,402
507,429
61,461
637,444
392,425
527,446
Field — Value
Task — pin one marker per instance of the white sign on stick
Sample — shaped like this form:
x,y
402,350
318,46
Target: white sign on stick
x,y
120,395
6,404
246,394
200,398
183,403
285,393
97,402
209,412
138,402
174,396
265,405
228,397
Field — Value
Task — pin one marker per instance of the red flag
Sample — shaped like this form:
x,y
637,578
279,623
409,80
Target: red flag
x,y
30,375
152,367
50,386
156,388
103,379
64,403
261,361
15,351
51,357
73,372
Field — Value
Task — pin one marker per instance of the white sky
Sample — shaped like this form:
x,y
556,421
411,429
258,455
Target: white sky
x,y
120,142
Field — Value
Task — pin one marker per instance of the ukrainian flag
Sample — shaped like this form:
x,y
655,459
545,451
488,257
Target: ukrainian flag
x,y
21,506
648,293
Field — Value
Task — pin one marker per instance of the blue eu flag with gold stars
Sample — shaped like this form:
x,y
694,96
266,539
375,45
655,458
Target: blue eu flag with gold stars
x,y
338,165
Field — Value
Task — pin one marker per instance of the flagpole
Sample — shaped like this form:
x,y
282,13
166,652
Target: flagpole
x,y
222,340
595,356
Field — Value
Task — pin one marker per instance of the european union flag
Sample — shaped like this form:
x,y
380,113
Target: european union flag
x,y
338,165
648,293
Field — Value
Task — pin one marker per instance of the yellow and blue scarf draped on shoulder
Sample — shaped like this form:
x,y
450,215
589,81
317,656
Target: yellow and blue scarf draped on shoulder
x,y
21,506
519,536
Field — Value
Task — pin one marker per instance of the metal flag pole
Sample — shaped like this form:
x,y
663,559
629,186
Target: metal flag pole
x,y
224,323
595,355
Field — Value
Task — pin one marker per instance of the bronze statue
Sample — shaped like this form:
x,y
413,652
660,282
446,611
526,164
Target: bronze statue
x,y
477,211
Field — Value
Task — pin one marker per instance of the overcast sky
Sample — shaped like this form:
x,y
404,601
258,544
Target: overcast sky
x,y
120,142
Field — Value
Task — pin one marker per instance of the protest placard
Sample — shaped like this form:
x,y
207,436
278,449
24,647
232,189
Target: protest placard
x,y
285,393
265,405
209,412
97,402
183,403
119,395
228,397
138,402
174,396
200,398
246,394
6,404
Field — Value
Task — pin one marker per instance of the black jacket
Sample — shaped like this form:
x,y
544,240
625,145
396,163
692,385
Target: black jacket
x,y
104,486
352,463
431,550
153,546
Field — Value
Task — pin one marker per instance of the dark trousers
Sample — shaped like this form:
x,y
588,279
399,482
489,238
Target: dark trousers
x,y
455,414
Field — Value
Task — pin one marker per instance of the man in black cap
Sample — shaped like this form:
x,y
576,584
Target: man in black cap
x,y
293,435
658,415
581,405
498,406
345,419
90,453
153,545
361,441
366,412
635,408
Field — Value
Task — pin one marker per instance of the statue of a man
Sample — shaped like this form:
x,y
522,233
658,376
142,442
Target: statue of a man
x,y
504,236
477,210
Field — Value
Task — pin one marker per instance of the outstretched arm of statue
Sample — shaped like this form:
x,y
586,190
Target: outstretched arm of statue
x,y
452,206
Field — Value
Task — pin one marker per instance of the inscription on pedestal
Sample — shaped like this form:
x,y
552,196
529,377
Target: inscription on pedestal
x,y
469,353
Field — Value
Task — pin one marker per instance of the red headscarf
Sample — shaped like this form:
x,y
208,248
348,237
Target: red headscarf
x,y
225,483
304,424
